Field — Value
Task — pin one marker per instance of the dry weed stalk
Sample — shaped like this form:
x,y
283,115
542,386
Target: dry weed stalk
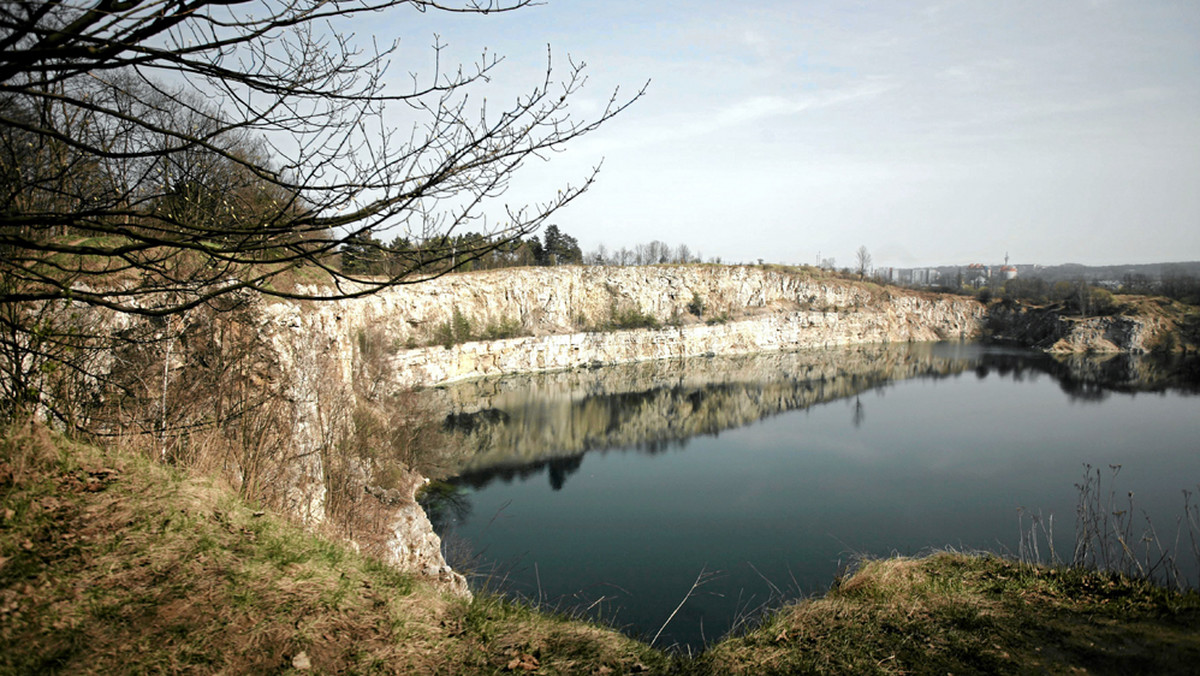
x,y
1107,535
704,577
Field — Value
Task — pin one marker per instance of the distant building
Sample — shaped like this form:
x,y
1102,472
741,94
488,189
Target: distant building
x,y
977,275
910,276
926,276
1008,272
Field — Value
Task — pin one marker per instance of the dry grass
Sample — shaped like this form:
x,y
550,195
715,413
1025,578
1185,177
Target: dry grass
x,y
956,613
113,564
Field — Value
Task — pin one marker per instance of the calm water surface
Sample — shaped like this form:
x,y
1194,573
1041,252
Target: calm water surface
x,y
613,490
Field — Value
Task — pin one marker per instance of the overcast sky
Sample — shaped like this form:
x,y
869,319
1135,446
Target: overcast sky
x,y
930,132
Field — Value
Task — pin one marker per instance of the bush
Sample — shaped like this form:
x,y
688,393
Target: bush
x,y
634,318
457,330
505,327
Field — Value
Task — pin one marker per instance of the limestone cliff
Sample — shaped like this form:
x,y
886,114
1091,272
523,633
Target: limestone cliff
x,y
744,310
334,352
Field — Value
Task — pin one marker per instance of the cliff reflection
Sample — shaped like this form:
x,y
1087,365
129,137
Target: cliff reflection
x,y
520,426
1094,378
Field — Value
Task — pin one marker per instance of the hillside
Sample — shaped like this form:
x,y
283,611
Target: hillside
x,y
113,564
110,563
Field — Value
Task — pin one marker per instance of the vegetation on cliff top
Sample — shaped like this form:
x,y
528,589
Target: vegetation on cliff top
x,y
110,562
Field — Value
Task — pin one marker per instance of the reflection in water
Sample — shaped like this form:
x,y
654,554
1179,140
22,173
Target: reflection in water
x,y
518,426
776,487
859,414
444,503
528,420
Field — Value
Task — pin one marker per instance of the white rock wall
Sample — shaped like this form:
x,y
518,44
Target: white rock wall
x,y
757,311
571,298
768,333
769,310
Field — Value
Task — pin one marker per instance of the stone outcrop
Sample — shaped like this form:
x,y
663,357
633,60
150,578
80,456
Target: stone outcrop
x,y
412,545
783,331
1053,331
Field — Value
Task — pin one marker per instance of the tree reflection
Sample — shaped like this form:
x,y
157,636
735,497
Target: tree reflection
x,y
561,468
444,503
514,427
558,470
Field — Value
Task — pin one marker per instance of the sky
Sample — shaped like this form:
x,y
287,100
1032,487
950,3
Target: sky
x,y
932,133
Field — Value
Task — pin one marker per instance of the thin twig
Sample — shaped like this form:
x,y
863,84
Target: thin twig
x,y
700,579
538,576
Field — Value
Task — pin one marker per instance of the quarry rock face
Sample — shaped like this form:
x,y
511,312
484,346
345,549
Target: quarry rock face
x,y
1103,334
413,546
1055,332
571,317
566,318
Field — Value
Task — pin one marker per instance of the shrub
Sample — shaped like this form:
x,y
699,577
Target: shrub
x,y
457,330
634,318
505,327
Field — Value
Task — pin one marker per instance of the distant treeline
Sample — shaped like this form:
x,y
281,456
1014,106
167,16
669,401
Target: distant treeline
x,y
366,255
1077,297
1087,290
1088,298
1174,283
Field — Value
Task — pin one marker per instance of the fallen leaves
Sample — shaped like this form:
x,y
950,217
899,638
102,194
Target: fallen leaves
x,y
9,602
89,479
523,662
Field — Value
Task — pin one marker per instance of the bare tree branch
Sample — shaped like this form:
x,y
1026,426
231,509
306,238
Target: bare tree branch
x,y
157,154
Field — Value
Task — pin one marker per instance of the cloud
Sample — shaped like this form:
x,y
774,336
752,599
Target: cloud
x,y
752,110
757,42
760,108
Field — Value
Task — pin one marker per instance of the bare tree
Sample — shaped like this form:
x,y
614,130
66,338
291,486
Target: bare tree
x,y
863,258
599,256
156,155
160,153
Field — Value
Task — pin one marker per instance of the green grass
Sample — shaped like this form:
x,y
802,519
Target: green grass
x,y
110,563
957,613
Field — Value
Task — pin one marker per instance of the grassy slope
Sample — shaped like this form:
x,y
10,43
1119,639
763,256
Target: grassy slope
x,y
110,563
954,613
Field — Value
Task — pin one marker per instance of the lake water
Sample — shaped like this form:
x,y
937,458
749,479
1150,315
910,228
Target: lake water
x,y
611,491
